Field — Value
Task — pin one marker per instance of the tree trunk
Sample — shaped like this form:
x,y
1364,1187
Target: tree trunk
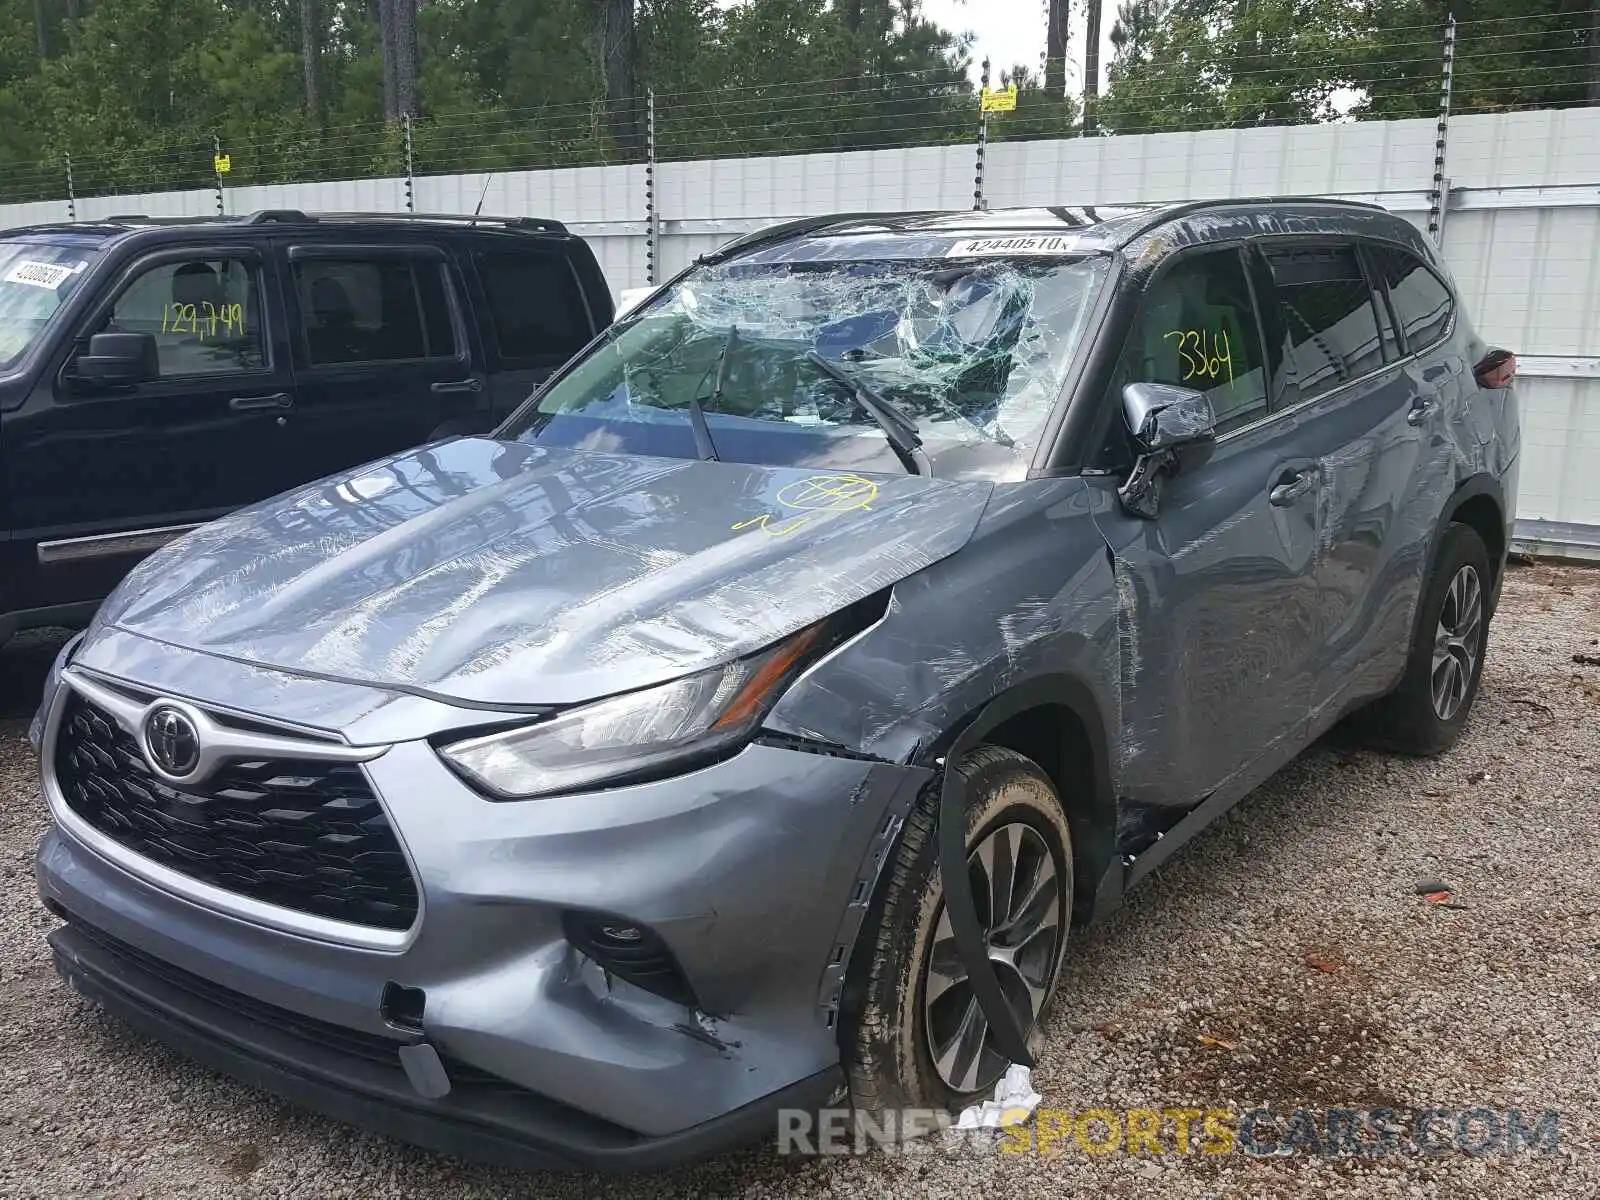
x,y
1055,48
386,19
850,14
74,9
38,28
405,57
311,56
619,56
1091,65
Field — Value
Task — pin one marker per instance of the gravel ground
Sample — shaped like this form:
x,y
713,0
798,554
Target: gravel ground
x,y
1284,959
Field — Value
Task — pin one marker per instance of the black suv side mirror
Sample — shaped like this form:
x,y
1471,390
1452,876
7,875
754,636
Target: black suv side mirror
x,y
1175,428
119,359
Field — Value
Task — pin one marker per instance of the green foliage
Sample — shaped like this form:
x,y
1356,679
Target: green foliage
x,y
135,91
1207,64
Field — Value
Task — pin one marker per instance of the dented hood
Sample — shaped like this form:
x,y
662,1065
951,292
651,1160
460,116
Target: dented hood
x,y
499,574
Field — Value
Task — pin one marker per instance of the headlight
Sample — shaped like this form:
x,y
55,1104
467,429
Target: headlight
x,y
639,733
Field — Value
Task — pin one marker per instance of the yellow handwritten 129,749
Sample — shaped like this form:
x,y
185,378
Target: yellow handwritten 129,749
x,y
1203,355
203,319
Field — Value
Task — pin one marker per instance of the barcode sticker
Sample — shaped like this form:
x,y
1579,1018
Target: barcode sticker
x,y
42,274
1003,246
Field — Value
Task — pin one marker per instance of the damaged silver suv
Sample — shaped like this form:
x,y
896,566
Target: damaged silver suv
x,y
748,720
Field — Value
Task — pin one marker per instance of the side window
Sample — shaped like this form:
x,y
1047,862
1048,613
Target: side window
x,y
1421,301
374,310
205,314
536,309
1197,329
1328,317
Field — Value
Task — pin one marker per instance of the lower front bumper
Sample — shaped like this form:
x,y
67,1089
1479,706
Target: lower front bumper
x,y
357,1079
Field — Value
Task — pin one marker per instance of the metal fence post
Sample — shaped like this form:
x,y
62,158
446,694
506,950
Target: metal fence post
x,y
411,191
652,224
1439,198
978,202
216,169
72,196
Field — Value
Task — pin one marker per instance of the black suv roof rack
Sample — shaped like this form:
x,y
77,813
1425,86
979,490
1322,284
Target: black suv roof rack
x,y
296,216
532,224
277,216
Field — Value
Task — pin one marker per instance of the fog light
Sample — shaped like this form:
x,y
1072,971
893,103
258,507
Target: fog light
x,y
631,952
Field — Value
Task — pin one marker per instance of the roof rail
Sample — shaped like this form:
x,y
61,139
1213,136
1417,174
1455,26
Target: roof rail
x,y
123,218
804,225
277,216
534,224
1161,214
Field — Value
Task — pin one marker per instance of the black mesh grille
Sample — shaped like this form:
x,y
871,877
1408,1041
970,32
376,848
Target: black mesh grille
x,y
305,835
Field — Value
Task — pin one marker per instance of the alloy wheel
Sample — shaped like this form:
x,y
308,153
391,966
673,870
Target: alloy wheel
x,y
1456,642
1018,885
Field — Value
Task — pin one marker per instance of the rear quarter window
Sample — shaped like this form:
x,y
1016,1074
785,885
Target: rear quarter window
x,y
537,312
1422,303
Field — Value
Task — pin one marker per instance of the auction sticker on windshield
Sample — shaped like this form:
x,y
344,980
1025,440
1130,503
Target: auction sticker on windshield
x,y
42,274
1041,244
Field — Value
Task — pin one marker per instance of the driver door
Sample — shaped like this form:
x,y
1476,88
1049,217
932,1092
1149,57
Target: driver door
x,y
102,475
1217,593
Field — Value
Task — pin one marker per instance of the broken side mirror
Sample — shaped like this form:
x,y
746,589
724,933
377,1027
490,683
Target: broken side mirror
x,y
1175,429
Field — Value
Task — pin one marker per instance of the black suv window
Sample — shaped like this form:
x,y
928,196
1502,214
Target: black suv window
x,y
1420,299
374,309
536,309
1197,329
1326,305
204,313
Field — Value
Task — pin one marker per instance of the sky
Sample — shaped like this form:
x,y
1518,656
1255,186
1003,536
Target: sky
x,y
1012,31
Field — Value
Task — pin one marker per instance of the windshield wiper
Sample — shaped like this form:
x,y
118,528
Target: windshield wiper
x,y
900,429
703,445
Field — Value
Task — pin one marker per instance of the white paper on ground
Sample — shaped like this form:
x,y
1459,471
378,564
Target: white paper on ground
x,y
1013,1103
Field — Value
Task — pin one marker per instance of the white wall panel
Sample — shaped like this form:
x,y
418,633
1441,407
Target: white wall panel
x,y
1528,266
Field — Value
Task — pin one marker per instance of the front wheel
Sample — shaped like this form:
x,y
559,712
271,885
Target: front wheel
x,y
921,1039
1424,715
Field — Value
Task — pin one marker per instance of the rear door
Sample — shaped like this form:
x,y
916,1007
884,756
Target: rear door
x,y
99,477
1350,398
533,316
382,354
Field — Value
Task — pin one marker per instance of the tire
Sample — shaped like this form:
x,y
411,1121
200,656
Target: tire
x,y
887,1050
1409,720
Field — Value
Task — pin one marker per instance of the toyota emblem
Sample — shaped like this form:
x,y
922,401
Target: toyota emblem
x,y
171,741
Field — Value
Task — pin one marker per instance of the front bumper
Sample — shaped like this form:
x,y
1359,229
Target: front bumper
x,y
359,1080
756,872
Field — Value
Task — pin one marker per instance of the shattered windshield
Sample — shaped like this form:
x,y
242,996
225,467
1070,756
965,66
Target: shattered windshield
x,y
767,362
35,280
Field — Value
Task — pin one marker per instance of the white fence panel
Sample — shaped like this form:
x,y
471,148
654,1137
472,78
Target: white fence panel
x,y
1522,236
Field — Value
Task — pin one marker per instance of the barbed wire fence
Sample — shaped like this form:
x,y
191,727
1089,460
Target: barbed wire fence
x,y
1494,62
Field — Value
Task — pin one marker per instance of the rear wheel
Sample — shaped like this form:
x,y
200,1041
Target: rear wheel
x,y
921,1039
1426,713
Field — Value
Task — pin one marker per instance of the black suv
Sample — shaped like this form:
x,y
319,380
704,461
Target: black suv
x,y
157,373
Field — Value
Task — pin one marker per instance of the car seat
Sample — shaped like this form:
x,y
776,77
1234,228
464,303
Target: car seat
x,y
331,332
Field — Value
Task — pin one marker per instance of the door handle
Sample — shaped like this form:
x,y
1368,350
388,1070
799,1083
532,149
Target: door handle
x,y
278,400
457,385
1419,412
1292,487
